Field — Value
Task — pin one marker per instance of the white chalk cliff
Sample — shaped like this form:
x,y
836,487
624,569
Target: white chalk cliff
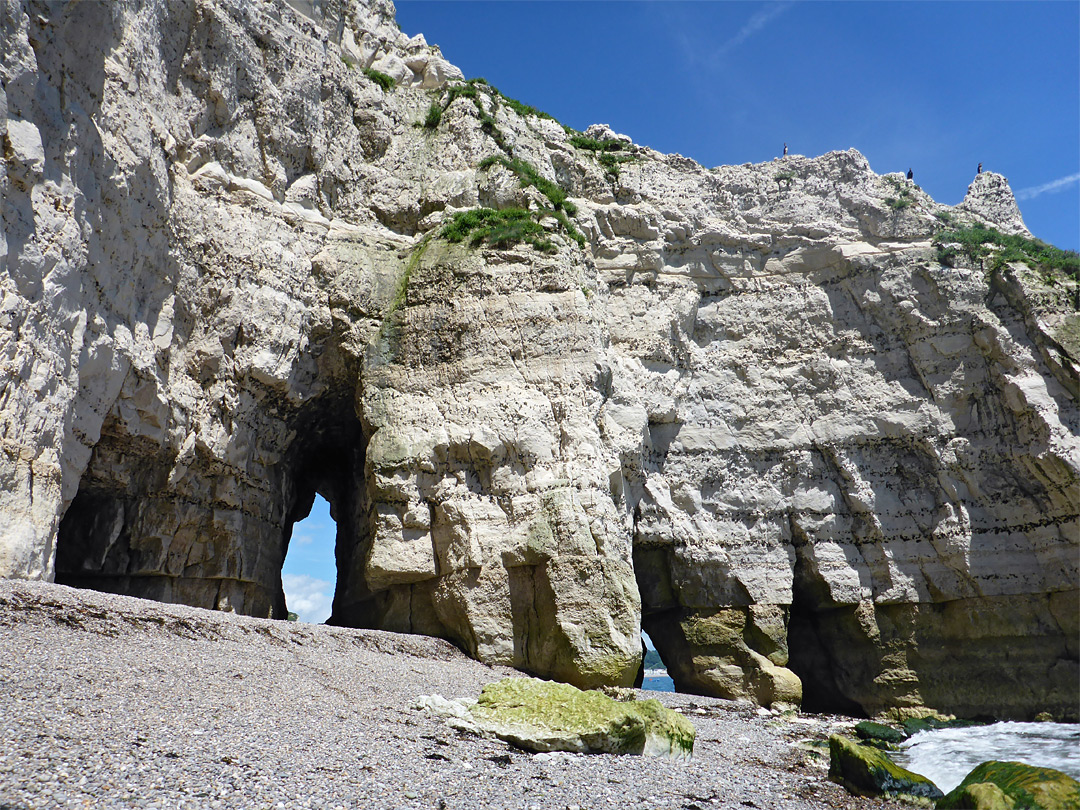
x,y
752,411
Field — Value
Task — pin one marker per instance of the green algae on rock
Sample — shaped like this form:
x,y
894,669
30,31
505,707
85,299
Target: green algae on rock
x,y
548,716
997,785
879,734
867,771
978,796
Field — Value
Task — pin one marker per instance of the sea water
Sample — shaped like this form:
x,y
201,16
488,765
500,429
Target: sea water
x,y
947,755
657,680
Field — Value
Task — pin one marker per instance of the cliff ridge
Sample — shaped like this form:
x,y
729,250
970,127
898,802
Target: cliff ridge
x,y
762,411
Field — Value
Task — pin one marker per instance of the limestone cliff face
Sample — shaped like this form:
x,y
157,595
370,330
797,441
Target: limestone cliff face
x,y
750,411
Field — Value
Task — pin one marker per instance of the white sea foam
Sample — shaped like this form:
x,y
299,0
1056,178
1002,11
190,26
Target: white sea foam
x,y
946,756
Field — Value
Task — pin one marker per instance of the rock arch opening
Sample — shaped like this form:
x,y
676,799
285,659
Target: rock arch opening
x,y
812,657
326,461
210,526
659,612
309,570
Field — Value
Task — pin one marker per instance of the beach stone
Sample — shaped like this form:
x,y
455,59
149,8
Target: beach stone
x,y
868,771
878,732
1003,785
546,716
978,796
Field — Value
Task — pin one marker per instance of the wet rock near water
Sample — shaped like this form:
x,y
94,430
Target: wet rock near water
x,y
879,734
869,771
1008,785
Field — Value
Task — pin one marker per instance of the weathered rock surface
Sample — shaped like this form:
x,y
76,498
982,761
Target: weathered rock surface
x,y
1004,785
547,716
755,415
869,772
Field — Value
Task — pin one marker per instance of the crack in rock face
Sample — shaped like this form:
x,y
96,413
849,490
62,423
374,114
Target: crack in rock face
x,y
556,386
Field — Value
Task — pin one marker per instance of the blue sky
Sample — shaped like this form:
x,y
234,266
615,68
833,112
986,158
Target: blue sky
x,y
934,86
309,572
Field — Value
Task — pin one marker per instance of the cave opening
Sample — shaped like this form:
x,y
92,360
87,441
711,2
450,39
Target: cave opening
x,y
189,528
660,628
325,530
809,653
309,571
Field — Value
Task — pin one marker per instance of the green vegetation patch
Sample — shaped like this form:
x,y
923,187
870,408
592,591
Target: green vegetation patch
x,y
561,208
402,289
612,163
1007,785
568,226
605,152
979,242
469,89
784,177
904,198
524,110
387,83
594,144
434,116
388,329
474,89
497,228
529,176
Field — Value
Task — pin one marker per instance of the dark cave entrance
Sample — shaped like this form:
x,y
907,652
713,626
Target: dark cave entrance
x,y
326,462
111,538
659,613
809,653
217,536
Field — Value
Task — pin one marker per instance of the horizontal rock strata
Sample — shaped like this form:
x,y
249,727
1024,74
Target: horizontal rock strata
x,y
747,407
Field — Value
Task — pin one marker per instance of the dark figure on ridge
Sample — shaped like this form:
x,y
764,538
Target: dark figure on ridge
x,y
785,148
910,174
979,170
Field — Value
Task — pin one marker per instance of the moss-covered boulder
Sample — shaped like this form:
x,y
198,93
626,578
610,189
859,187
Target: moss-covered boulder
x,y
1014,786
869,772
878,734
546,716
979,796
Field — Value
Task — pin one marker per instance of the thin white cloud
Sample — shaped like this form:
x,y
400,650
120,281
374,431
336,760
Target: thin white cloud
x,y
708,55
756,23
309,598
1054,185
303,539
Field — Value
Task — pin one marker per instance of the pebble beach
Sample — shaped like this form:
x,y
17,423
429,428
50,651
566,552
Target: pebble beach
x,y
114,702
